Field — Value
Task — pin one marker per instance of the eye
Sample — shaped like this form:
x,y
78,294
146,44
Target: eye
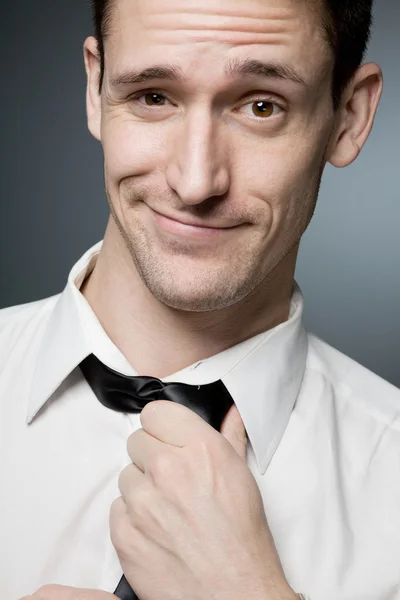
x,y
264,109
151,98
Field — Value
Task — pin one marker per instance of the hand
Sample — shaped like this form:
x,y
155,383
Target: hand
x,y
190,521
61,592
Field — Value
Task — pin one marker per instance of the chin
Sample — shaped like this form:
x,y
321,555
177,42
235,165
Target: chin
x,y
193,304
187,281
203,295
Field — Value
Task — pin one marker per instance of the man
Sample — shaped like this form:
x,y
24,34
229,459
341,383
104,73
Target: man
x,y
217,120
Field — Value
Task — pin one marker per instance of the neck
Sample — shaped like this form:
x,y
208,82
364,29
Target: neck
x,y
158,340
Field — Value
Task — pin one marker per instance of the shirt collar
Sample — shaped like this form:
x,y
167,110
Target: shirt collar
x,y
263,374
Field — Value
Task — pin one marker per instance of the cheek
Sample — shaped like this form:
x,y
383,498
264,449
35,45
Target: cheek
x,y
285,177
130,149
281,170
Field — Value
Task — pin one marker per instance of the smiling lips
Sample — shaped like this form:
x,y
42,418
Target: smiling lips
x,y
190,230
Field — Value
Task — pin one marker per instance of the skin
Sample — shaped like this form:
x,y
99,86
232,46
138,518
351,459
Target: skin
x,y
172,533
206,153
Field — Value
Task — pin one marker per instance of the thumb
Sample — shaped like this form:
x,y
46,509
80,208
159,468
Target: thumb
x,y
233,430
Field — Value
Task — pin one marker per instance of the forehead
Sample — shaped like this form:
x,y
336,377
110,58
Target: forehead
x,y
201,36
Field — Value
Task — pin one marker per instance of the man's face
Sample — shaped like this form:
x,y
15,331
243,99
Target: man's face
x,y
241,153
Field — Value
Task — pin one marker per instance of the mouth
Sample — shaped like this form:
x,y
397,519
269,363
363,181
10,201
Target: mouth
x,y
194,230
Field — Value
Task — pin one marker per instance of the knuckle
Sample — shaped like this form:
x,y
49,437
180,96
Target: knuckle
x,y
119,522
122,532
116,508
123,476
130,444
142,500
162,464
118,531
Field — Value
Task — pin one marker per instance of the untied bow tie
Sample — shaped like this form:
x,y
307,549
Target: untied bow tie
x,y
131,394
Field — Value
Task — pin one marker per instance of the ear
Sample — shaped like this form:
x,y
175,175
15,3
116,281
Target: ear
x,y
356,115
93,98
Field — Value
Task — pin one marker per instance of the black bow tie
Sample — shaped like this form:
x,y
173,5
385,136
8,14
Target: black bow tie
x,y
131,394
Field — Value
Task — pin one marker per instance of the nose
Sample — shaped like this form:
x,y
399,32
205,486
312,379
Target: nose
x,y
197,168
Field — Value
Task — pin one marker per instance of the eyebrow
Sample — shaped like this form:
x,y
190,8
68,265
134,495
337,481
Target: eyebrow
x,y
235,68
171,73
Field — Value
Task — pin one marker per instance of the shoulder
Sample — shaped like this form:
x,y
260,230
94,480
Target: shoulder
x,y
21,322
14,316
351,382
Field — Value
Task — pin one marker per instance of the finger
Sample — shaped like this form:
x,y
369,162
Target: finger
x,y
118,514
119,523
53,592
62,592
174,424
234,431
130,478
142,447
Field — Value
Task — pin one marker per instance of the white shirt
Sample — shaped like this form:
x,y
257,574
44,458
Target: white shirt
x,y
324,448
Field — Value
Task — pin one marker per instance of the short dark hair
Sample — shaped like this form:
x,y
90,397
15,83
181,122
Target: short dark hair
x,y
347,25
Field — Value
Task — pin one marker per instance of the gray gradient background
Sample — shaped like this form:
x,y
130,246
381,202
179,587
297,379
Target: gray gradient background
x,y
53,204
